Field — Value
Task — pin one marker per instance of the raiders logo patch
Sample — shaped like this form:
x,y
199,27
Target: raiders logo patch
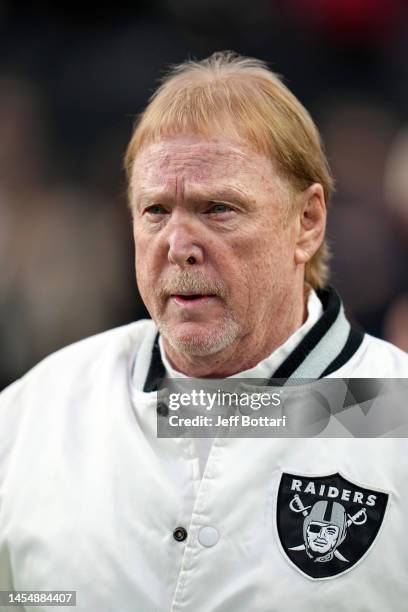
x,y
326,524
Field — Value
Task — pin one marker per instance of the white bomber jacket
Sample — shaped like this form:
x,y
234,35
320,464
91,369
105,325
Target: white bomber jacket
x,y
92,501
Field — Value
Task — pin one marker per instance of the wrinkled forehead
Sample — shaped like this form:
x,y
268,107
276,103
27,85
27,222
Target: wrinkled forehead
x,y
196,159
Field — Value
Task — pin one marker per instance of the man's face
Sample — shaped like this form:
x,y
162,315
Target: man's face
x,y
214,258
321,537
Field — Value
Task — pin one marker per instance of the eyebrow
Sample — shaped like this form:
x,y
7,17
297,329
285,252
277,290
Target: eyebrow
x,y
216,194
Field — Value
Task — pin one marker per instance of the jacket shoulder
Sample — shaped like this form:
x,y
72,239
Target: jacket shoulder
x,y
376,359
66,382
79,360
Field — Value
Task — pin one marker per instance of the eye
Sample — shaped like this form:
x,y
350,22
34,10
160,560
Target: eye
x,y
219,208
156,209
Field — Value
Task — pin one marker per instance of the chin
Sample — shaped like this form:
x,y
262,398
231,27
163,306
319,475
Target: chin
x,y
192,339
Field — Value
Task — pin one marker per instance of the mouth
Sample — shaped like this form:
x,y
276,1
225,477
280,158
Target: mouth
x,y
192,299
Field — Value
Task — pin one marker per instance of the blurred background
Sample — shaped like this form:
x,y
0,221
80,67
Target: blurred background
x,y
71,84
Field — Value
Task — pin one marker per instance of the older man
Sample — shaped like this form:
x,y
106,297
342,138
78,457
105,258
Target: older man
x,y
228,187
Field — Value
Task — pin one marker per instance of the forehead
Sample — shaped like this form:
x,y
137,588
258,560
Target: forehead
x,y
198,159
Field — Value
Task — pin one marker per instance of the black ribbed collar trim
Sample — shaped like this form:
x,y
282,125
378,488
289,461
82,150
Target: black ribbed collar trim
x,y
331,309
157,371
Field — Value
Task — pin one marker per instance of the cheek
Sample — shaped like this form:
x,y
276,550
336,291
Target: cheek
x,y
270,253
276,251
145,272
144,253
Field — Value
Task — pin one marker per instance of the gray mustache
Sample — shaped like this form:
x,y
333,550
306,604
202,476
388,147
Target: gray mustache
x,y
191,282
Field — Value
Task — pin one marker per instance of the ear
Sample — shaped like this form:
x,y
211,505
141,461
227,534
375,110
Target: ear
x,y
311,223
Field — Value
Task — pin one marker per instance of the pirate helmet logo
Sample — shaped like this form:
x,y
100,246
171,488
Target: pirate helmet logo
x,y
327,524
323,536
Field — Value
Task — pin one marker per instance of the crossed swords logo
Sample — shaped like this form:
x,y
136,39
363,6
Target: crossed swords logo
x,y
359,518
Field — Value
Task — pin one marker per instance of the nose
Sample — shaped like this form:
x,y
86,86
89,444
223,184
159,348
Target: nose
x,y
184,244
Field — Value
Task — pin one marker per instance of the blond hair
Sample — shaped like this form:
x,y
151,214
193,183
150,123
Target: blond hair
x,y
240,97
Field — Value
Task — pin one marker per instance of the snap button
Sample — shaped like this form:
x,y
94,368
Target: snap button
x,y
208,536
179,534
162,409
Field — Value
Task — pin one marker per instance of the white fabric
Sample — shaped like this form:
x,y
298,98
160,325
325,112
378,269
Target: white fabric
x,y
89,496
262,370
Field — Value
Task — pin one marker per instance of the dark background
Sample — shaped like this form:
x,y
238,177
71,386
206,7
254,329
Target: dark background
x,y
72,81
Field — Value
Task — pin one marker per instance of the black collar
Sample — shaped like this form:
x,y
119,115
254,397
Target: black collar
x,y
328,345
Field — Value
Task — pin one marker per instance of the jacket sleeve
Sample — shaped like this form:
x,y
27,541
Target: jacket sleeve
x,y
10,415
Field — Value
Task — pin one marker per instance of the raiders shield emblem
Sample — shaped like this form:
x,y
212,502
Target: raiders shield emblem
x,y
327,524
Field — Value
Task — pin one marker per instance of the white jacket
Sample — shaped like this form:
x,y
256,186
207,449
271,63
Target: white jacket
x,y
90,497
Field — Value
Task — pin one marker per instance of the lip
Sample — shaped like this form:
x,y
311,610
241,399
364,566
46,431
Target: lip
x,y
191,304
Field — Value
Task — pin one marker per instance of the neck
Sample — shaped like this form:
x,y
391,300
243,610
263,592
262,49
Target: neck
x,y
247,351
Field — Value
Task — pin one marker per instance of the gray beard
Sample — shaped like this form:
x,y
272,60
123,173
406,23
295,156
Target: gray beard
x,y
225,334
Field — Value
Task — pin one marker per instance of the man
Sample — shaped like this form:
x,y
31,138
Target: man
x,y
228,187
